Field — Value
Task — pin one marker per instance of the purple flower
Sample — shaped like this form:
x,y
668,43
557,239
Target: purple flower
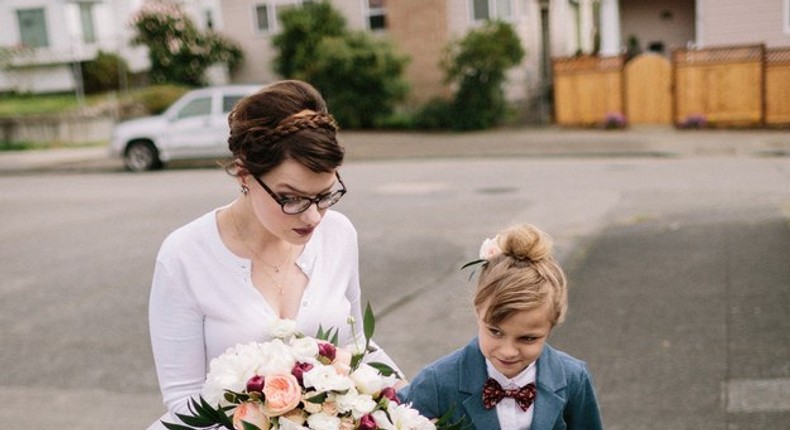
x,y
366,422
327,350
389,393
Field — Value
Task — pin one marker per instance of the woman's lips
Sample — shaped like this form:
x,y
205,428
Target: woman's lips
x,y
304,231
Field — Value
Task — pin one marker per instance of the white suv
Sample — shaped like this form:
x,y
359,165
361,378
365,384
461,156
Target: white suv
x,y
194,127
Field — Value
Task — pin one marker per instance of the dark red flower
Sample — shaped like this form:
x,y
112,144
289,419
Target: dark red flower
x,y
366,422
389,393
299,370
255,384
327,350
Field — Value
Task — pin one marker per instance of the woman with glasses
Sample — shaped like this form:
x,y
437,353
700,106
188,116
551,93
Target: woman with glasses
x,y
275,252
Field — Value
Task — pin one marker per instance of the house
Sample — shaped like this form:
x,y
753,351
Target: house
x,y
44,41
65,32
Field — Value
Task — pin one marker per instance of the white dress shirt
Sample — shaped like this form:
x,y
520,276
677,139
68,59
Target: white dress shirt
x,y
509,413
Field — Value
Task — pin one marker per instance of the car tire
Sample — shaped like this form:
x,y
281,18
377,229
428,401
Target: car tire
x,y
141,156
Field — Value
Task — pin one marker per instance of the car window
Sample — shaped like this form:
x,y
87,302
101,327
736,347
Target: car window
x,y
229,101
197,107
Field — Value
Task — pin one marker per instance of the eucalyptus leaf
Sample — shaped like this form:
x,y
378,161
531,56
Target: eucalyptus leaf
x,y
368,324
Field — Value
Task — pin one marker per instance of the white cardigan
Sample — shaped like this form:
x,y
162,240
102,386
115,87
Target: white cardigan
x,y
203,301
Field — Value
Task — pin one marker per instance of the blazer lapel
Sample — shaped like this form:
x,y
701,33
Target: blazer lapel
x,y
549,404
472,375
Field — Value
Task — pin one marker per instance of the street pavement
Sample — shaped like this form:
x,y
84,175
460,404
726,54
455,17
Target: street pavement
x,y
642,141
676,245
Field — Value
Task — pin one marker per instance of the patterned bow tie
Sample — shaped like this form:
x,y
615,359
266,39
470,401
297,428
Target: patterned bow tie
x,y
493,393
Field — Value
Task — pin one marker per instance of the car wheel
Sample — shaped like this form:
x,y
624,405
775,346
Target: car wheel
x,y
141,156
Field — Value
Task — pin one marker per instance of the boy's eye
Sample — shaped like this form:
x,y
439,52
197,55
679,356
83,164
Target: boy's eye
x,y
494,332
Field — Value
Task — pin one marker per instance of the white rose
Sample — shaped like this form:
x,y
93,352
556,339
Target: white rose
x,y
283,328
368,380
325,378
357,404
403,417
305,349
231,371
275,357
322,421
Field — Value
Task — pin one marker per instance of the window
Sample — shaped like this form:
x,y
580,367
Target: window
x,y
492,9
228,102
86,18
32,27
197,107
377,17
262,18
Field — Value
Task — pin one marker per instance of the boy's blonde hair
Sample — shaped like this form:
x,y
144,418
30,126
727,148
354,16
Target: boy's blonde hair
x,y
523,276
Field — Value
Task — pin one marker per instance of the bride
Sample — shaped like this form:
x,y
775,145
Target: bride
x,y
276,251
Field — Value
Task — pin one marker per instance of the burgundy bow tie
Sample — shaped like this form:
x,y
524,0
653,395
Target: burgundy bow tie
x,y
493,393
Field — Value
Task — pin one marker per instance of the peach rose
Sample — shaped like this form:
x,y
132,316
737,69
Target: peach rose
x,y
342,362
282,393
252,413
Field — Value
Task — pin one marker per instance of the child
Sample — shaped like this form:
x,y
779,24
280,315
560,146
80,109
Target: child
x,y
521,295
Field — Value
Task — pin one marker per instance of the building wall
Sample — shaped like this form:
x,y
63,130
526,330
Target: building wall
x,y
669,22
419,29
737,22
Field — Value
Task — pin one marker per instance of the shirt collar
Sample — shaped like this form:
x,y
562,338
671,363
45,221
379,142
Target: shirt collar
x,y
525,377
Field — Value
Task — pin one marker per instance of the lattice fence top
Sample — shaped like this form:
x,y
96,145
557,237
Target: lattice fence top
x,y
734,54
777,56
588,64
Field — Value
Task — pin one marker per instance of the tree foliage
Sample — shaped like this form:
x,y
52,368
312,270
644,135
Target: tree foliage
x,y
103,73
477,64
360,76
180,53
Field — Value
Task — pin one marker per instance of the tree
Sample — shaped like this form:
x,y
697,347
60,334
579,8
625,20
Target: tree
x,y
179,52
360,77
477,65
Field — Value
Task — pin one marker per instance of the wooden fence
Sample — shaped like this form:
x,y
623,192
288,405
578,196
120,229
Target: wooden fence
x,y
586,89
777,86
722,86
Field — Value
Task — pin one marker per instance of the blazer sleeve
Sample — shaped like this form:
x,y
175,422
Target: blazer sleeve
x,y
423,394
582,410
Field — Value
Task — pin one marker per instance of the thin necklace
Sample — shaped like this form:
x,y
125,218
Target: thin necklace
x,y
257,258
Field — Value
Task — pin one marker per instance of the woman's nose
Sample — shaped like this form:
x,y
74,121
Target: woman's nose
x,y
312,215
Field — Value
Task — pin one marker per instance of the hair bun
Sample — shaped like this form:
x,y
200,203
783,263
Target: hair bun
x,y
526,242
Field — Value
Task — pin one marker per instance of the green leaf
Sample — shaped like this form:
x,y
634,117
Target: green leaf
x,y
248,426
172,426
445,421
368,324
472,263
384,369
318,398
335,340
355,360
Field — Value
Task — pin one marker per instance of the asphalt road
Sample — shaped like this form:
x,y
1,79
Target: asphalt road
x,y
679,278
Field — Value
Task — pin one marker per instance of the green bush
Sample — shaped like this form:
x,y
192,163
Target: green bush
x,y
179,52
359,75
477,65
434,115
157,98
103,73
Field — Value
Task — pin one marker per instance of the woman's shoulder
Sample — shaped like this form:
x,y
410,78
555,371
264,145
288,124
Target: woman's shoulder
x,y
189,235
336,226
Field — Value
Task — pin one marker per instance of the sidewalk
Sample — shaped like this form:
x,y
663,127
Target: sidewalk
x,y
506,142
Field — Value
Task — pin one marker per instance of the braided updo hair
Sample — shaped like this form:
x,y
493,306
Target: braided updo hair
x,y
523,276
284,120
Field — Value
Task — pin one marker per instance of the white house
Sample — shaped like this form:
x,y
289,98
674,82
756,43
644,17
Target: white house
x,y
58,34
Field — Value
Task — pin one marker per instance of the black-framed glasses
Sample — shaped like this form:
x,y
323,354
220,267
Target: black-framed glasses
x,y
297,205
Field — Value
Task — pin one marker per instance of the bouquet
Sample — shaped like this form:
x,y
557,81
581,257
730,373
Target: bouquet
x,y
300,383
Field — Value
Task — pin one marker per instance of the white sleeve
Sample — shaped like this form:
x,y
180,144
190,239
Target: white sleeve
x,y
177,338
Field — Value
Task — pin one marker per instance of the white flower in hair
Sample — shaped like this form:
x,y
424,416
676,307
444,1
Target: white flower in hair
x,y
489,249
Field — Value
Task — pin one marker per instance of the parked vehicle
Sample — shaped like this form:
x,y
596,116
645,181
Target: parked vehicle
x,y
194,127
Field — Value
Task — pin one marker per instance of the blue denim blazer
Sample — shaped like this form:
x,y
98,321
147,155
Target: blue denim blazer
x,y
565,396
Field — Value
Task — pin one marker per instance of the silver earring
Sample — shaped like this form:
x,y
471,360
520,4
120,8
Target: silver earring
x,y
244,190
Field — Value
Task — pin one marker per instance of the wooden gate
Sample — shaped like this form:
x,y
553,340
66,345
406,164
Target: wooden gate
x,y
648,90
587,89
